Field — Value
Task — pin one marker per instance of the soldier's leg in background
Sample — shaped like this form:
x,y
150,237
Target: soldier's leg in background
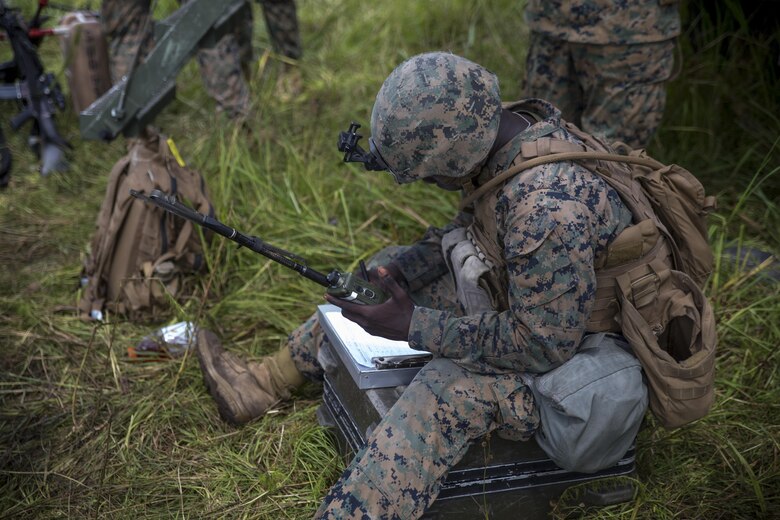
x,y
550,75
126,24
399,472
222,72
625,89
281,19
223,77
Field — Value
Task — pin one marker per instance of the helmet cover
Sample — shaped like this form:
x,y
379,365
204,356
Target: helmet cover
x,y
436,114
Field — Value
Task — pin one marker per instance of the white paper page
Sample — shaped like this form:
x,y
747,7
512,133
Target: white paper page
x,y
361,345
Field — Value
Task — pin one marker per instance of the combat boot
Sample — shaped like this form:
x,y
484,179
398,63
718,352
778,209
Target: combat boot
x,y
245,390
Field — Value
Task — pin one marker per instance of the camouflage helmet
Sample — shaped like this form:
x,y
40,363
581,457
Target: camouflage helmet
x,y
436,114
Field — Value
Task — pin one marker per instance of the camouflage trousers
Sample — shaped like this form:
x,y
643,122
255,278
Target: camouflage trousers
x,y
399,472
223,64
617,92
281,20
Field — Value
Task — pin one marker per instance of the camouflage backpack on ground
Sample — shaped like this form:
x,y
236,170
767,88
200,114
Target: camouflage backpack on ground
x,y
139,253
649,281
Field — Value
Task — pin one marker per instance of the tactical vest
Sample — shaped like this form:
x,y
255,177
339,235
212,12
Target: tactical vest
x,y
648,280
635,256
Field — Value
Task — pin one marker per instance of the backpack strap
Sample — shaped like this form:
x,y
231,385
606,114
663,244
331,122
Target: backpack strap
x,y
181,241
547,146
555,157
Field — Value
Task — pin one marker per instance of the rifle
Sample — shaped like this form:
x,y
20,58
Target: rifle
x,y
340,284
25,80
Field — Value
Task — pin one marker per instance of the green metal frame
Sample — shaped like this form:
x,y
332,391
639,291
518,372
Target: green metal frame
x,y
136,99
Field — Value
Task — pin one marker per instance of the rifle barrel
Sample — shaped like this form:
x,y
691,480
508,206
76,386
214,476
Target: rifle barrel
x,y
257,245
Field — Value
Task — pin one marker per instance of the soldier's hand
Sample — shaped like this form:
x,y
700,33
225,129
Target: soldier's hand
x,y
390,319
375,278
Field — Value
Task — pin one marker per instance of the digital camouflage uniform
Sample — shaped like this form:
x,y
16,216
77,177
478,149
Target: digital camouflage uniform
x,y
603,63
552,221
282,23
222,65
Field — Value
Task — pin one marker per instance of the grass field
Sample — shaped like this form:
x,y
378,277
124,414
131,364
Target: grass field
x,y
86,432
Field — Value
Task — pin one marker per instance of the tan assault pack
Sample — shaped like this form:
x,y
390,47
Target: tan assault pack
x,y
649,282
140,253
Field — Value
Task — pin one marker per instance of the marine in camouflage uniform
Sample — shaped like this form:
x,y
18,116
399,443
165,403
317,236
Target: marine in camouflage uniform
x,y
551,221
439,118
222,65
604,64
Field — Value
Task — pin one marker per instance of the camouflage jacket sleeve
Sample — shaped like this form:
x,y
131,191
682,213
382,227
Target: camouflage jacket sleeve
x,y
423,262
549,251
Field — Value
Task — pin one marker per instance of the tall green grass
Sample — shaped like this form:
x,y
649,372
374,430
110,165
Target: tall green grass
x,y
85,432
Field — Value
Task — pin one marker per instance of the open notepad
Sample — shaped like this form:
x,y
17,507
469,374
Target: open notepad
x,y
360,350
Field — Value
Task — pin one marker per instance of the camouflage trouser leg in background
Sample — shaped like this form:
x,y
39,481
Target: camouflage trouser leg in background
x,y
223,64
427,431
281,20
615,91
124,23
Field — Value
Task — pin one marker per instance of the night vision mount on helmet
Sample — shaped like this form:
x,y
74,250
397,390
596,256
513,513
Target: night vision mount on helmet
x,y
353,152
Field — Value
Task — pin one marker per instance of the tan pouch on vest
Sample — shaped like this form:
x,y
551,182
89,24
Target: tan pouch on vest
x,y
676,346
